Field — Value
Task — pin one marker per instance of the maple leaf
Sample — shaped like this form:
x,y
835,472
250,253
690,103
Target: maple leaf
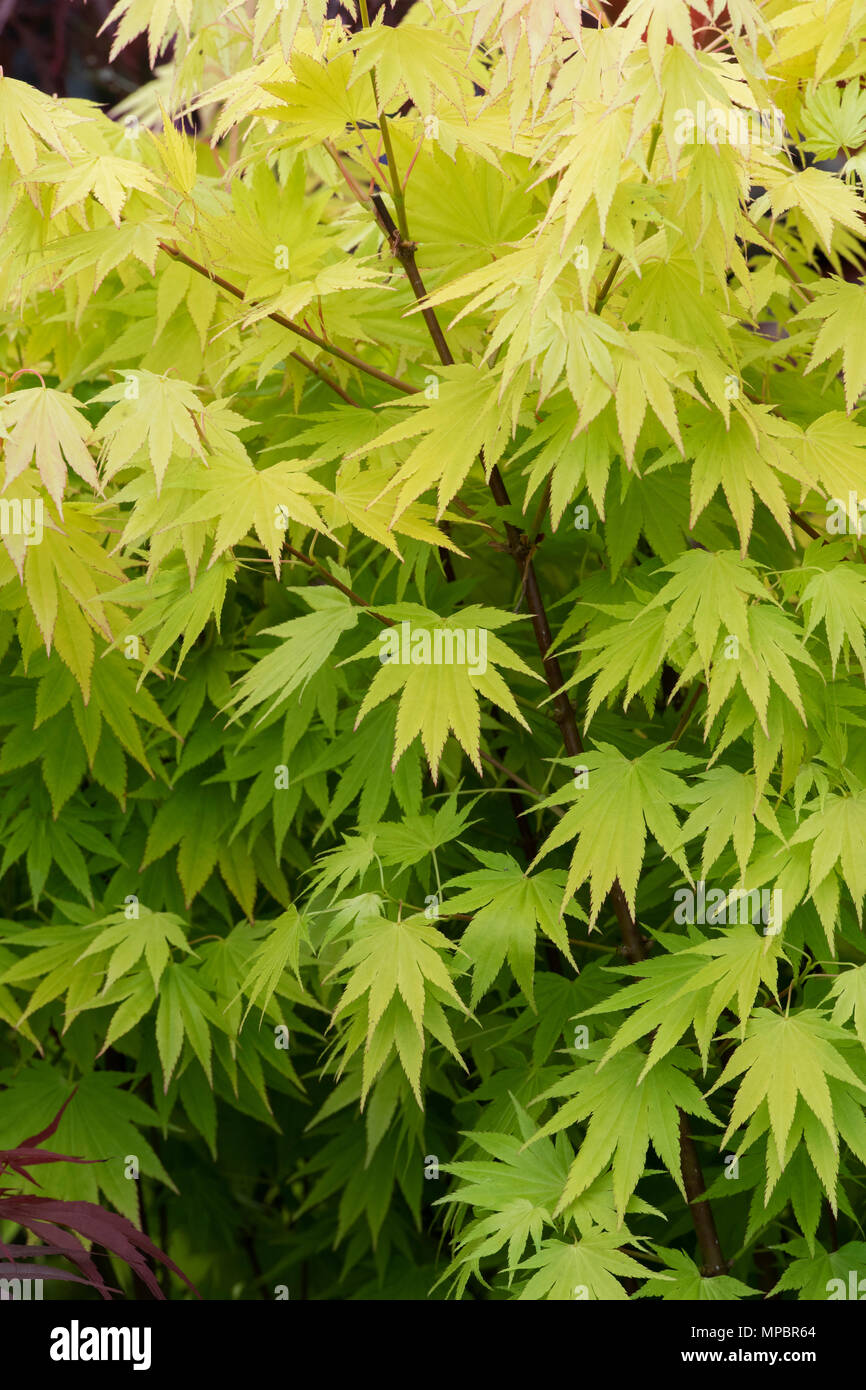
x,y
834,118
744,457
242,498
152,935
849,991
397,985
194,818
319,103
278,953
585,1268
62,590
609,816
646,370
150,412
840,306
133,17
837,831
783,1058
684,989
105,248
535,17
728,806
629,648
627,1108
518,1185
814,1272
29,121
177,154
102,1121
105,177
589,162
47,427
835,595
288,15
440,693
184,1014
418,60
510,908
819,196
832,452
457,424
708,594
762,666
656,19
171,606
307,643
690,1285
359,500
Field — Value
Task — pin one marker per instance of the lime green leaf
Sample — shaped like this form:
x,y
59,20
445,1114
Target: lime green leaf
x,y
840,305
588,1268
690,1285
609,817
307,643
784,1058
396,985
440,666
47,427
510,907
151,934
628,1108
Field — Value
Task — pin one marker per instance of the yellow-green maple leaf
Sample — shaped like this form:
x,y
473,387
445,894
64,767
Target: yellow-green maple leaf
x,y
106,177
156,413
441,695
783,1058
29,121
397,984
47,427
841,307
245,498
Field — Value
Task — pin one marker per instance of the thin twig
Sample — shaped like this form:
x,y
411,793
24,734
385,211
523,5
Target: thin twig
x,y
331,348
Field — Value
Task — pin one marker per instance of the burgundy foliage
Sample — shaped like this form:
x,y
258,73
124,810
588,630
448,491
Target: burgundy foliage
x,y
62,1225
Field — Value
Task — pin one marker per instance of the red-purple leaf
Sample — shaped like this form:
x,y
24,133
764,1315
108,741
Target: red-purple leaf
x,y
17,1271
48,1216
51,1129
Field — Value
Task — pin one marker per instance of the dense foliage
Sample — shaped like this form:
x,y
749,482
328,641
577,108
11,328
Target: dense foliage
x,y
432,623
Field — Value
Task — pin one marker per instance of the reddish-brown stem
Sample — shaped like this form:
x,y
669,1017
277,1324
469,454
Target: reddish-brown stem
x,y
331,348
702,1212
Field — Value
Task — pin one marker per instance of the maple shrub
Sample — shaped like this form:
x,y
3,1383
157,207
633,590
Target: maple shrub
x,y
432,626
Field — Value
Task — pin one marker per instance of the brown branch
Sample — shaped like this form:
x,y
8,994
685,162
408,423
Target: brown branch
x,y
687,714
324,377
520,548
512,776
331,348
804,525
701,1211
770,245
337,584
